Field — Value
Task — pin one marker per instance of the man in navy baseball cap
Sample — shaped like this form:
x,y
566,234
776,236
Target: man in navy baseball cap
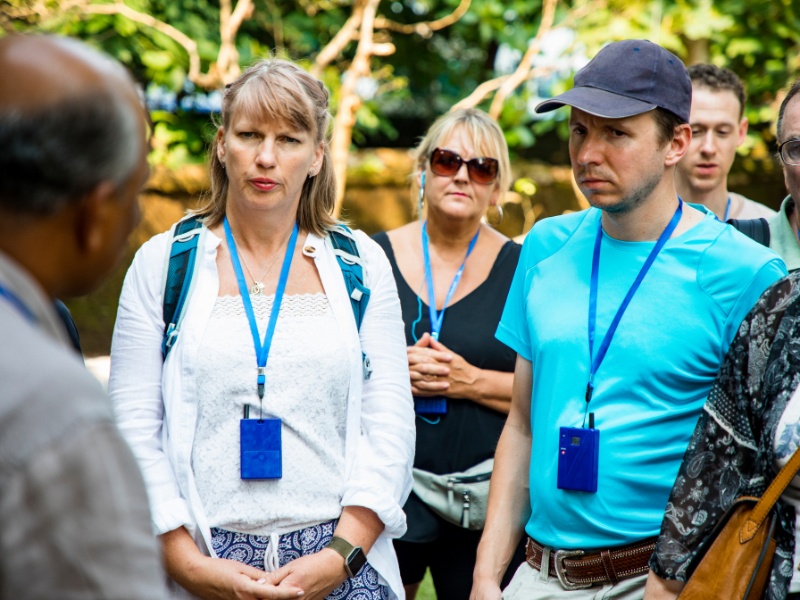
x,y
626,79
620,315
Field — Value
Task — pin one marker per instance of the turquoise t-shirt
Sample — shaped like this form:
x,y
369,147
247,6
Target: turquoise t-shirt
x,y
655,377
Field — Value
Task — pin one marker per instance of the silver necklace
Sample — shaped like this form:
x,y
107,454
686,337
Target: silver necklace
x,y
258,284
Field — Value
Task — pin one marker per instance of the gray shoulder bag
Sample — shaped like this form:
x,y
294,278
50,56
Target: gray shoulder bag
x,y
459,498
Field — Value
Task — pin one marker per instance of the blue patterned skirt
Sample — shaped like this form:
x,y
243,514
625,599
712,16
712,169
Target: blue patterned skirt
x,y
251,550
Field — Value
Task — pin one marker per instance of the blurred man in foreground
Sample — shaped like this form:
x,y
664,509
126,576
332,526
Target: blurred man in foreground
x,y
73,508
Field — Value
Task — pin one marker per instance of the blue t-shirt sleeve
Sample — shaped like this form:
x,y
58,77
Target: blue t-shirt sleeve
x,y
513,329
768,274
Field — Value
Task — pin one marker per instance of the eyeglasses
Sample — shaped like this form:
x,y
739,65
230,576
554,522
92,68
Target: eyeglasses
x,y
447,163
790,152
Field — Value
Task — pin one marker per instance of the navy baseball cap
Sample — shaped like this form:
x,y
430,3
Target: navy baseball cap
x,y
628,78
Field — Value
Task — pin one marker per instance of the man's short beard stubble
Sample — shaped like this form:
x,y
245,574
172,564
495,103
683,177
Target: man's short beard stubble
x,y
633,200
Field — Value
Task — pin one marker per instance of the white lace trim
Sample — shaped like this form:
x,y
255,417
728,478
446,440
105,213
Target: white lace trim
x,y
308,377
294,305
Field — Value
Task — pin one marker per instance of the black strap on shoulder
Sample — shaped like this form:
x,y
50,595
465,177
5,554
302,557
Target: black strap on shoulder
x,y
755,229
69,323
182,254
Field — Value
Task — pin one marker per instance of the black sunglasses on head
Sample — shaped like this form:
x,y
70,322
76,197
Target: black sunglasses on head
x,y
447,163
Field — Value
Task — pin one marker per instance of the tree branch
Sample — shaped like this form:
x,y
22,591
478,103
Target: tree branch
x,y
227,63
243,10
349,101
522,71
350,32
118,8
491,85
336,46
424,28
277,25
224,69
480,92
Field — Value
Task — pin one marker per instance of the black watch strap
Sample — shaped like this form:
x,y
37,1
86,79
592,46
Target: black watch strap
x,y
354,557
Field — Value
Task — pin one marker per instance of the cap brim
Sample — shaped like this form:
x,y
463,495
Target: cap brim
x,y
597,102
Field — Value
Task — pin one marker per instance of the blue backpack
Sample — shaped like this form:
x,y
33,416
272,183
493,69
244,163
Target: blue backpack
x,y
182,265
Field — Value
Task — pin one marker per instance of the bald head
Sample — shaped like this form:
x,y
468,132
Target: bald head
x,y
70,119
40,71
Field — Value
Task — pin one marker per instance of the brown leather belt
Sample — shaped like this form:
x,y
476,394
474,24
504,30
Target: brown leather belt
x,y
576,569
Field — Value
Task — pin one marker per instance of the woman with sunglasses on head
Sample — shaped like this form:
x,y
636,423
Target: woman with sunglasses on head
x,y
453,272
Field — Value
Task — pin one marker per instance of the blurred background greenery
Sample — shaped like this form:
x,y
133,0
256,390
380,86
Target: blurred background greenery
x,y
392,67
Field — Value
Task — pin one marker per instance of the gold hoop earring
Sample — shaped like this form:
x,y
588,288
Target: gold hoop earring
x,y
497,217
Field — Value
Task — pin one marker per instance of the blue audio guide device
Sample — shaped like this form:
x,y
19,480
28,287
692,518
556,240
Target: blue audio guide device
x,y
578,458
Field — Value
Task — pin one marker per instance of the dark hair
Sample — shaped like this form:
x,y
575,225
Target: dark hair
x,y
793,91
56,154
666,122
719,79
276,89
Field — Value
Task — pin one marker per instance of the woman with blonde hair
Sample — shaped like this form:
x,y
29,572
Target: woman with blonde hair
x,y
274,467
453,272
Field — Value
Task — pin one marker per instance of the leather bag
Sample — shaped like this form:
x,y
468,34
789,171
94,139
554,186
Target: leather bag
x,y
737,563
459,498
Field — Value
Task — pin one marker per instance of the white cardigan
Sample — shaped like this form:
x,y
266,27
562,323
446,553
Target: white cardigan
x,y
155,402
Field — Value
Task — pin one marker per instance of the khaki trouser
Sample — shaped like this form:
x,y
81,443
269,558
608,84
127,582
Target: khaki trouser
x,y
530,584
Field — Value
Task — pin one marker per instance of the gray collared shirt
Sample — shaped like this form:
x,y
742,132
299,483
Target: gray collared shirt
x,y
74,518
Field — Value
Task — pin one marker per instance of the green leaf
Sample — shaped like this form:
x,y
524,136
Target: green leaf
x,y
157,60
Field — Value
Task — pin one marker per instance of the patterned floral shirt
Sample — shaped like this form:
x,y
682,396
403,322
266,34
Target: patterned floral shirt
x,y
731,452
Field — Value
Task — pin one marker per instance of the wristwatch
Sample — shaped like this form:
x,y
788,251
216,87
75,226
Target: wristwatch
x,y
354,557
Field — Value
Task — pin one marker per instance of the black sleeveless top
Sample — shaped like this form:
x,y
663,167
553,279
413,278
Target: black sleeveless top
x,y
467,434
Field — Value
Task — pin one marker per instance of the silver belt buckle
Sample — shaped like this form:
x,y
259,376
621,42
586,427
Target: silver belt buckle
x,y
561,571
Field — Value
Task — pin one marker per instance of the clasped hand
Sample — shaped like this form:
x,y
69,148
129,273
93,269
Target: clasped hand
x,y
438,371
310,577
316,574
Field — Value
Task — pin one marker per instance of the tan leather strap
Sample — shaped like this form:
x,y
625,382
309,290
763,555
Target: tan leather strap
x,y
770,497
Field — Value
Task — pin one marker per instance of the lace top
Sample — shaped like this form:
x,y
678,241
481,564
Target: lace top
x,y
307,384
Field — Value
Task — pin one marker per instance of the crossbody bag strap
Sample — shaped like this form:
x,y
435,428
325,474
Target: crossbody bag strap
x,y
770,497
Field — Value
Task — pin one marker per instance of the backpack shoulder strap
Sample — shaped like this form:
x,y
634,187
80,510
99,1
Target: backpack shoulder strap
x,y
345,248
178,276
755,229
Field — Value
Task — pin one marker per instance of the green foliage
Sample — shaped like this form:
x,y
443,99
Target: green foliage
x,y
760,41
178,139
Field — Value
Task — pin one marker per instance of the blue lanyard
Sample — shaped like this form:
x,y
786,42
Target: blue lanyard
x,y
262,350
14,300
436,317
601,352
727,210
